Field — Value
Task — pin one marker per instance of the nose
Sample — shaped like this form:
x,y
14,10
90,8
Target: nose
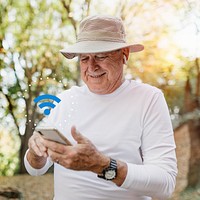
x,y
92,64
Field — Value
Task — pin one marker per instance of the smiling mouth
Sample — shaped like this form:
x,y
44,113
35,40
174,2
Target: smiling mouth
x,y
97,76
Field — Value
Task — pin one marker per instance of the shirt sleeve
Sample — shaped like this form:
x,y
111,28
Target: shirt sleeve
x,y
156,177
37,172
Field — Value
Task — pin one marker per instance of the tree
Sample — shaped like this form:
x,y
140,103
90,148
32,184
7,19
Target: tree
x,y
29,49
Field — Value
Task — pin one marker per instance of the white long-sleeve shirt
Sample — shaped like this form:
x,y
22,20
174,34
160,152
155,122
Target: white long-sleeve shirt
x,y
133,125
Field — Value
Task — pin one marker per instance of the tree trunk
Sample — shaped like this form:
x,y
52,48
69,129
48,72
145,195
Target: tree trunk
x,y
194,162
191,103
24,147
188,99
197,93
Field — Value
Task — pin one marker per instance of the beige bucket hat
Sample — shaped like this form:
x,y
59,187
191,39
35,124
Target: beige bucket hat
x,y
100,33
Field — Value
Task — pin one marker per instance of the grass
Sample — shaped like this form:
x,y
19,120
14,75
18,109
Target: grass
x,y
190,194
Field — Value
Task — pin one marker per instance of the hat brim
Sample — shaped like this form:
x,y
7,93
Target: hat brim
x,y
97,47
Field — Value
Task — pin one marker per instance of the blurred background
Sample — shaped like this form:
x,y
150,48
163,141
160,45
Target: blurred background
x,y
31,34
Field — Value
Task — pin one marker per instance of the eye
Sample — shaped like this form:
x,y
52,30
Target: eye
x,y
100,57
84,59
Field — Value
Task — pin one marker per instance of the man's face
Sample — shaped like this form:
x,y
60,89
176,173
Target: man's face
x,y
102,72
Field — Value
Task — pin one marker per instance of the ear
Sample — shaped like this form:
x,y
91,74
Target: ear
x,y
125,60
125,52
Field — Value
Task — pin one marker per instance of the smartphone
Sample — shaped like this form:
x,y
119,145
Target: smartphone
x,y
53,134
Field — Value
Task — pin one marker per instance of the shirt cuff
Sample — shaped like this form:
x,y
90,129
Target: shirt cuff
x,y
36,172
128,180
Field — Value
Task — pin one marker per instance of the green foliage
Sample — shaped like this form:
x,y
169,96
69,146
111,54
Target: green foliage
x,y
163,63
9,146
31,36
190,193
32,33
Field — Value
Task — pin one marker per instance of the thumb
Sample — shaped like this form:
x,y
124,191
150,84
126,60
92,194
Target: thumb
x,y
78,136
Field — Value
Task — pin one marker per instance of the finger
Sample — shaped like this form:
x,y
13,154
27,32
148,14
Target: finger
x,y
55,147
39,140
34,149
36,144
54,156
78,136
42,148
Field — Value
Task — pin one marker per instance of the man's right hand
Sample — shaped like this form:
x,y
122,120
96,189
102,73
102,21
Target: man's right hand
x,y
37,154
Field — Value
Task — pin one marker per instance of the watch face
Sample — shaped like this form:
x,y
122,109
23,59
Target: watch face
x,y
110,174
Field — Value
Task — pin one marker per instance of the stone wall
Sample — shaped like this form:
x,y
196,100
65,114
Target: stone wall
x,y
182,138
187,137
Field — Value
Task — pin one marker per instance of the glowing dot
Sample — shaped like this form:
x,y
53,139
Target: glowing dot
x,y
40,78
29,120
47,112
35,124
60,81
29,85
47,77
54,78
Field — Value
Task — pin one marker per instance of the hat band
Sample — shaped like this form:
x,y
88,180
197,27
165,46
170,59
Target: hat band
x,y
101,36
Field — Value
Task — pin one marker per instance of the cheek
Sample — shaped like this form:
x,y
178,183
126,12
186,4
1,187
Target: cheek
x,y
115,67
83,70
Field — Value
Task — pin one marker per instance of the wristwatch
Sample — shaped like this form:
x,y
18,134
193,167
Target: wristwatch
x,y
110,172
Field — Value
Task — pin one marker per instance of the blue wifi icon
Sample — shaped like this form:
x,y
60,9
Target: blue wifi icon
x,y
47,104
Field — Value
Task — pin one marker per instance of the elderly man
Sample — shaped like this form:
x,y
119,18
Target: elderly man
x,y
120,130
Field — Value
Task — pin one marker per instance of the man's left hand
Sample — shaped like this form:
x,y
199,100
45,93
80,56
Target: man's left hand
x,y
81,156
